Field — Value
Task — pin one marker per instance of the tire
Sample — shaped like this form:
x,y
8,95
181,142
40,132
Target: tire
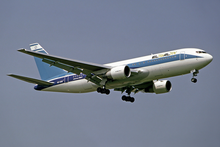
x,y
124,98
107,91
194,80
132,99
103,91
99,89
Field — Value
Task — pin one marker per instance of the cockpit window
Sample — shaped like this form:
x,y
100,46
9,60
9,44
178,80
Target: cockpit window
x,y
200,52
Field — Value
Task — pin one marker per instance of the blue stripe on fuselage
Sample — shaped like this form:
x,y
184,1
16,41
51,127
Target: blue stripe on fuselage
x,y
61,80
161,60
68,79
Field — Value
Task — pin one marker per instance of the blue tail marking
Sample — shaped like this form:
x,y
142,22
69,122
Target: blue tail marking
x,y
46,71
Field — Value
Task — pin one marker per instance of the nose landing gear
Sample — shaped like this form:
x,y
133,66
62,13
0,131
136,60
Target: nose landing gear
x,y
194,80
195,72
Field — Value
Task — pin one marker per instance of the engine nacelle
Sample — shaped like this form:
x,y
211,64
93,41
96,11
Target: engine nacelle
x,y
160,87
119,72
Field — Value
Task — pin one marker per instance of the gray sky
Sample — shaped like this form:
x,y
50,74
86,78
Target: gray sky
x,y
103,32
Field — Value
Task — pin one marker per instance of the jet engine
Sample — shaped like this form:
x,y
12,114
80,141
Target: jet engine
x,y
119,72
159,87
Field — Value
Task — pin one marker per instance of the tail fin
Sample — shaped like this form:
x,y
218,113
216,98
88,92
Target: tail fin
x,y
46,72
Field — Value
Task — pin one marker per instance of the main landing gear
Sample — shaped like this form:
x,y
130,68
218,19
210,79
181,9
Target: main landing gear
x,y
103,91
195,72
128,98
124,97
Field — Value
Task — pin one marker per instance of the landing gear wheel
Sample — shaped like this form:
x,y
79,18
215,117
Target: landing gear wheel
x,y
124,98
103,90
194,80
128,99
132,99
195,72
99,89
107,91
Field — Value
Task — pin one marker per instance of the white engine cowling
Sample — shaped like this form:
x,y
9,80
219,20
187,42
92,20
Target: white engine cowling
x,y
119,72
160,87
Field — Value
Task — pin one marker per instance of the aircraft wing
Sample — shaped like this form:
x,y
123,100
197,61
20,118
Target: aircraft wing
x,y
31,80
70,62
91,70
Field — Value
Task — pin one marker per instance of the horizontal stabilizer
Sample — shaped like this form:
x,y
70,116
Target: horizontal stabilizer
x,y
31,80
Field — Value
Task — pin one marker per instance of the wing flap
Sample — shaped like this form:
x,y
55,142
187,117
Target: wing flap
x,y
31,80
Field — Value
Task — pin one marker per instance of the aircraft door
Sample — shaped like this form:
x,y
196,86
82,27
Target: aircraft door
x,y
66,79
182,56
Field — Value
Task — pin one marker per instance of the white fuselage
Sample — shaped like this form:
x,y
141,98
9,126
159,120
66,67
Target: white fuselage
x,y
148,68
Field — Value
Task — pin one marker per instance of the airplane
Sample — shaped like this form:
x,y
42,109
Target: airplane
x,y
135,75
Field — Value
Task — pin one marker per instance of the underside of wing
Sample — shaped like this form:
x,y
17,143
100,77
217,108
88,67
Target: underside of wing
x,y
135,88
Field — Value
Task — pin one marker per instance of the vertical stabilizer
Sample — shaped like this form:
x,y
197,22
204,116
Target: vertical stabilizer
x,y
46,71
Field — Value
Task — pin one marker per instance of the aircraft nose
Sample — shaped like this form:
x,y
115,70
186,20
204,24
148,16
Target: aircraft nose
x,y
209,58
